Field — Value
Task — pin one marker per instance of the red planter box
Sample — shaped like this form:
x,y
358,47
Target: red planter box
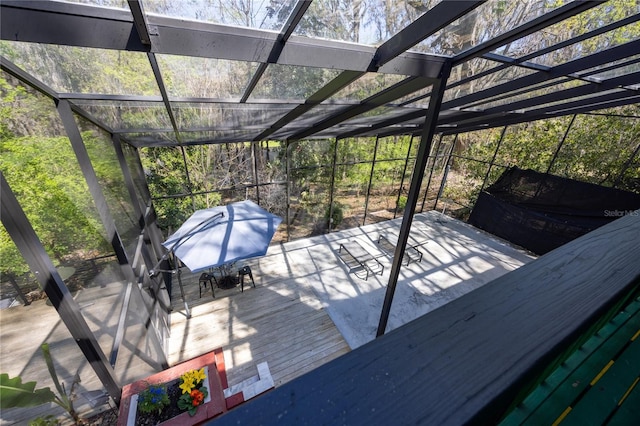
x,y
217,380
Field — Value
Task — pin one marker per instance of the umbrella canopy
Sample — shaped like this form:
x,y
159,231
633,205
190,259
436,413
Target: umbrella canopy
x,y
224,234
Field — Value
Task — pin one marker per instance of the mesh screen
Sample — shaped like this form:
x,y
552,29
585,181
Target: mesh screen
x,y
540,212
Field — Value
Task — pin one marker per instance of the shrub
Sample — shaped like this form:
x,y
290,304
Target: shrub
x,y
336,216
402,202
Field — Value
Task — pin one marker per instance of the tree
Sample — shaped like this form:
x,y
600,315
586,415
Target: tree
x,y
43,173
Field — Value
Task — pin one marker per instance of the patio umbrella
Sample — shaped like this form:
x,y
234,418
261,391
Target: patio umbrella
x,y
225,234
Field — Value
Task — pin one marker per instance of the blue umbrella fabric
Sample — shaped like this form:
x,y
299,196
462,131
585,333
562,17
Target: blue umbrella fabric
x,y
223,234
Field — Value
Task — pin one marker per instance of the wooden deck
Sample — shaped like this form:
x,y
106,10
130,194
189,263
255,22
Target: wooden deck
x,y
278,321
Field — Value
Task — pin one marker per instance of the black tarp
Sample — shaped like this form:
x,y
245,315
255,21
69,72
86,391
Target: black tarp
x,y
540,212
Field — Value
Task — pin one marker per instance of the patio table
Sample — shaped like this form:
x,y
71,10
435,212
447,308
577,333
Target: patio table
x,y
227,278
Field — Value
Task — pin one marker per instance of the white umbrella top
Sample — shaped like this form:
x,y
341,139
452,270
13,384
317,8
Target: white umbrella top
x,y
225,234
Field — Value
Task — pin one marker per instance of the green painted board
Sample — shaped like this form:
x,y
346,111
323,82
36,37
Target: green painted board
x,y
629,411
602,398
562,387
571,388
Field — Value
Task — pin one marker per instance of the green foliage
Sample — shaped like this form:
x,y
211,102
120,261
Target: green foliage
x,y
85,70
47,420
43,173
218,173
196,396
8,97
596,149
59,206
402,202
25,113
105,164
153,398
337,215
63,399
12,261
308,160
165,175
14,393
289,82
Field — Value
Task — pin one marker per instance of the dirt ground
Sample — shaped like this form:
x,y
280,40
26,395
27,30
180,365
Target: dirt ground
x,y
106,418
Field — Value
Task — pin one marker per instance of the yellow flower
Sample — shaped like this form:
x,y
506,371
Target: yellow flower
x,y
190,379
186,385
198,375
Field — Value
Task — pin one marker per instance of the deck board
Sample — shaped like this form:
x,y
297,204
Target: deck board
x,y
278,321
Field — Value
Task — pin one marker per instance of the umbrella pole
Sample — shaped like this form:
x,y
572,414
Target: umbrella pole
x,y
186,307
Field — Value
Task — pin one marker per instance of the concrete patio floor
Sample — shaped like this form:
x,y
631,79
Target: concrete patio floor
x,y
457,258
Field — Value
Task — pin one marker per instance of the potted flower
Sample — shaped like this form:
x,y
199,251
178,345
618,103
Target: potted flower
x,y
163,401
193,390
153,399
